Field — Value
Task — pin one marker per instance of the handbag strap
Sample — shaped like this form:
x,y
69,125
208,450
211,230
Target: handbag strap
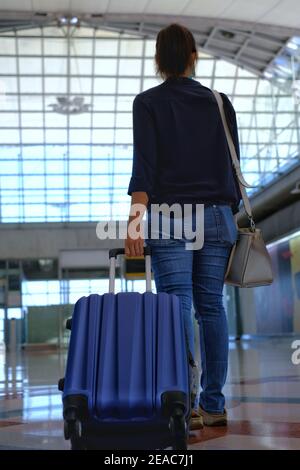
x,y
234,158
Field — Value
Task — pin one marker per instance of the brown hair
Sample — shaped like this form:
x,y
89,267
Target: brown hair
x,y
174,46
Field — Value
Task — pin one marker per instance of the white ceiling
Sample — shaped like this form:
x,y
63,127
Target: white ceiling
x,y
273,12
251,33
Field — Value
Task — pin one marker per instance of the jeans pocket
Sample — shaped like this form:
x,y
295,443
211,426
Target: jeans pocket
x,y
212,224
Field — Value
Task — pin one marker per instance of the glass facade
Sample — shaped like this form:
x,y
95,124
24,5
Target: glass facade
x,y
2,316
66,125
41,293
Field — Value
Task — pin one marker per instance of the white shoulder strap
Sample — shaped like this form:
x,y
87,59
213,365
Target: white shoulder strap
x,y
235,160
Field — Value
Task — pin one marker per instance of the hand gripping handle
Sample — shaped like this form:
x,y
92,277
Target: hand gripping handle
x,y
113,253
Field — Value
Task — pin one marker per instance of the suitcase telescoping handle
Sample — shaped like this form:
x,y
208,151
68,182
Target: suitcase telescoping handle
x,y
112,267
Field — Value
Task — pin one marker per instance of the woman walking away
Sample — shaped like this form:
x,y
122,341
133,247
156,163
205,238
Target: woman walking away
x,y
181,156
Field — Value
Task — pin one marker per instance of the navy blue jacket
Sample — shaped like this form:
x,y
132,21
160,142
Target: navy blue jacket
x,y
180,152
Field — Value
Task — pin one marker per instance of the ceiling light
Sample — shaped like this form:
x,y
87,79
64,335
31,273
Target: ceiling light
x,y
63,20
292,45
46,264
268,74
67,105
68,20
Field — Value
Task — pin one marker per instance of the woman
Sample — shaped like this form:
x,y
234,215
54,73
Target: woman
x,y
181,156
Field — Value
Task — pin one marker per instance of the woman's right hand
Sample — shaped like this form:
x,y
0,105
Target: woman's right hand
x,y
134,247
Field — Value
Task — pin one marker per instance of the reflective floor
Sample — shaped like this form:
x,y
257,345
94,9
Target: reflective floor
x,y
263,400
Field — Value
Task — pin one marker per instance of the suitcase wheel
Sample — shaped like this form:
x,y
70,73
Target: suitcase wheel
x,y
61,384
178,429
73,431
66,431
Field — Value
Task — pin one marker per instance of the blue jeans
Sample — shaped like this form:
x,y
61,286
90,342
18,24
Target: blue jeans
x,y
198,276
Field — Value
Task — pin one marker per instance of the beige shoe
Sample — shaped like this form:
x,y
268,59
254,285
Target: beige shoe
x,y
196,421
213,419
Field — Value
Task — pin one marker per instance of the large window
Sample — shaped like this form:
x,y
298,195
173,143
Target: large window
x,y
41,293
1,327
66,124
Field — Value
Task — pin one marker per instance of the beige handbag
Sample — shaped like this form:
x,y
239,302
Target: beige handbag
x,y
249,263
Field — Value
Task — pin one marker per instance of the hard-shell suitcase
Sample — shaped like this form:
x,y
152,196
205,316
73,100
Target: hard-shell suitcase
x,y
127,376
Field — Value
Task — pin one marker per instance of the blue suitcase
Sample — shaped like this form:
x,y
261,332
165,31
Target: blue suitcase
x,y
127,376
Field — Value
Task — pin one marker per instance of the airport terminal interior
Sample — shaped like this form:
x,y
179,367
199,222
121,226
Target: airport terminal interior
x,y
69,71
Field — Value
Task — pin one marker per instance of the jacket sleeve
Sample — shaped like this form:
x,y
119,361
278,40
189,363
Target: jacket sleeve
x,y
144,148
232,124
